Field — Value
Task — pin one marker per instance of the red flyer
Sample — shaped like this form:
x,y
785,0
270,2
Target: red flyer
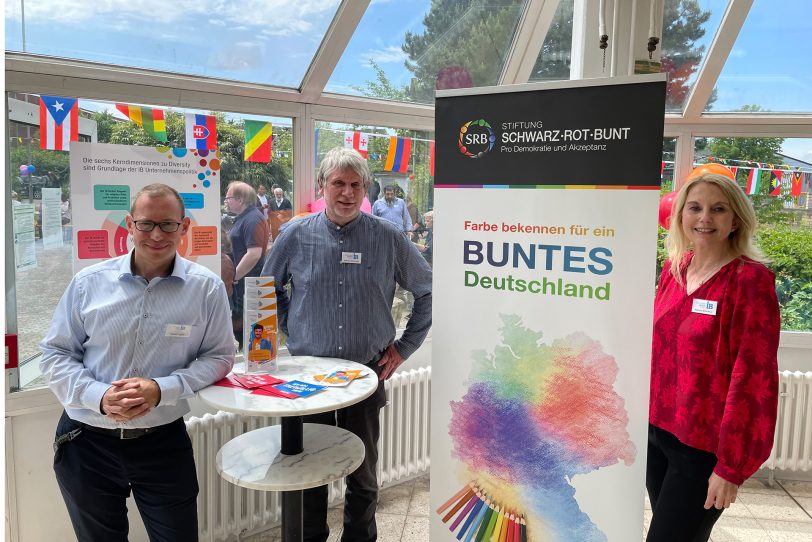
x,y
252,381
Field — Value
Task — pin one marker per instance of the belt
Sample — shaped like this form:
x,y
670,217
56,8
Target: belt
x,y
123,433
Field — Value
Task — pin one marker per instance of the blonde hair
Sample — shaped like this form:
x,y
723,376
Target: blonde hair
x,y
741,241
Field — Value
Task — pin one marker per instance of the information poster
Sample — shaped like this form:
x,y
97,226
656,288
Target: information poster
x,y
105,179
25,251
546,200
51,217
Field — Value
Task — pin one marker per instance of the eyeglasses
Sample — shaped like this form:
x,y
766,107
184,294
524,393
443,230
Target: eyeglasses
x,y
149,225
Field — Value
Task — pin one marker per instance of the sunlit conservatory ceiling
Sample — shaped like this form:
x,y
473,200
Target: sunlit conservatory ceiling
x,y
329,52
769,68
257,41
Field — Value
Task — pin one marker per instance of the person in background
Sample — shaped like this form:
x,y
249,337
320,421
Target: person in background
x,y
427,246
280,202
249,242
414,216
132,339
339,307
393,209
263,200
15,198
714,364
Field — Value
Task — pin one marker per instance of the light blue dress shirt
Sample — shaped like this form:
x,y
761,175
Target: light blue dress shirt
x,y
397,213
111,324
342,309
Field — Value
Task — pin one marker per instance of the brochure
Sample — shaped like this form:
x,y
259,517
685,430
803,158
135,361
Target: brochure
x,y
257,381
298,388
260,325
340,376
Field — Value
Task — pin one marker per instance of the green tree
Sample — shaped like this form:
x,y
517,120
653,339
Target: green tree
x,y
682,27
104,125
465,43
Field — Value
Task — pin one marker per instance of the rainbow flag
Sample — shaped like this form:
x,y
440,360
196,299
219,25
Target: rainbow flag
x,y
258,141
397,158
753,181
151,120
431,158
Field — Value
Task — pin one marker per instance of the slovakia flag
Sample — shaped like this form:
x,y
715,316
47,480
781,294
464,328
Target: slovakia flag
x,y
58,122
201,132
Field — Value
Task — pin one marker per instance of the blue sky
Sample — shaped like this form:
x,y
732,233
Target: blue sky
x,y
273,41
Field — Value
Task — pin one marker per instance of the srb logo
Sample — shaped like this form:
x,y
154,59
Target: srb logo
x,y
476,138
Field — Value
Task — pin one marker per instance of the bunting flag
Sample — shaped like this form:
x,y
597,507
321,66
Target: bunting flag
x,y
775,183
151,120
201,132
734,170
258,141
662,168
753,181
58,122
358,141
796,183
397,158
431,158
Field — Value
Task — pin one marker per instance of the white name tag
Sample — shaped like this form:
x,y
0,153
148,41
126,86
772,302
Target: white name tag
x,y
703,306
178,330
350,257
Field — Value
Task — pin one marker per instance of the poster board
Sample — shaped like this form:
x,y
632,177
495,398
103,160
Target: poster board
x,y
105,179
545,221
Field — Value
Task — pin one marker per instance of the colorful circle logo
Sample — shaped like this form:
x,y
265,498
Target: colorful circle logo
x,y
476,138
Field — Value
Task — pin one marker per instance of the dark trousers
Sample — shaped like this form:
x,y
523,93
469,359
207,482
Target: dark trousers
x,y
96,473
361,498
677,483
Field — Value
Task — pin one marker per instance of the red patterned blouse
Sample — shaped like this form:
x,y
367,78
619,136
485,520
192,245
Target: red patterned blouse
x,y
714,369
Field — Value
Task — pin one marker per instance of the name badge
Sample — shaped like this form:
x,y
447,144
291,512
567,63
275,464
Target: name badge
x,y
350,257
703,306
178,330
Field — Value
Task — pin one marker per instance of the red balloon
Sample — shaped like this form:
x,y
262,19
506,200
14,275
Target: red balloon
x,y
666,204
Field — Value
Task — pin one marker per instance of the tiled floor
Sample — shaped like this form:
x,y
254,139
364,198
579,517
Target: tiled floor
x,y
782,513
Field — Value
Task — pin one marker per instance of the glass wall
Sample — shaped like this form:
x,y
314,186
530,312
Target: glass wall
x,y
779,185
411,177
44,237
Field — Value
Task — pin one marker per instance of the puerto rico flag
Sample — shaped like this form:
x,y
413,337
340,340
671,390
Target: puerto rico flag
x,y
201,132
358,141
58,122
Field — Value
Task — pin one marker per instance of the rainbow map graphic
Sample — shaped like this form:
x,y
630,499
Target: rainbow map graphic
x,y
534,416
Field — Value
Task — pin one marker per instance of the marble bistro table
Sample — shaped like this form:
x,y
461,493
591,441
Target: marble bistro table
x,y
292,456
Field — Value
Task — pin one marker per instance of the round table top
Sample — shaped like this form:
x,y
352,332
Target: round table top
x,y
242,401
254,459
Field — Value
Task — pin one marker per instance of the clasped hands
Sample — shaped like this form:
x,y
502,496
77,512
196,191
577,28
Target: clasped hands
x,y
130,398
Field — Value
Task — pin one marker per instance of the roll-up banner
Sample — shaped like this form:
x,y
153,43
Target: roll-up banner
x,y
546,201
105,180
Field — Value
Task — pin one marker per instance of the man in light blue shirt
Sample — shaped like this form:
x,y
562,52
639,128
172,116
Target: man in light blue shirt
x,y
344,266
131,340
393,209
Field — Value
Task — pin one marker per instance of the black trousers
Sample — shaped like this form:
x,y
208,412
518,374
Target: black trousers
x,y
677,483
361,498
96,473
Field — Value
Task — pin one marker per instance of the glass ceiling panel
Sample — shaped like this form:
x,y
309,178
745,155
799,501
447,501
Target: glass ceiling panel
x,y
404,50
688,30
553,62
769,66
270,42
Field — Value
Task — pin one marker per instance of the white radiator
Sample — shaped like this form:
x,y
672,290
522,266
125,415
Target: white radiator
x,y
226,511
792,448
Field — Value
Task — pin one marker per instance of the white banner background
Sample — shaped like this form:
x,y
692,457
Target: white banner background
x,y
467,319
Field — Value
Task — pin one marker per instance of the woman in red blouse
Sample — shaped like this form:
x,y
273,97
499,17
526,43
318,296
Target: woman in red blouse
x,y
714,367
